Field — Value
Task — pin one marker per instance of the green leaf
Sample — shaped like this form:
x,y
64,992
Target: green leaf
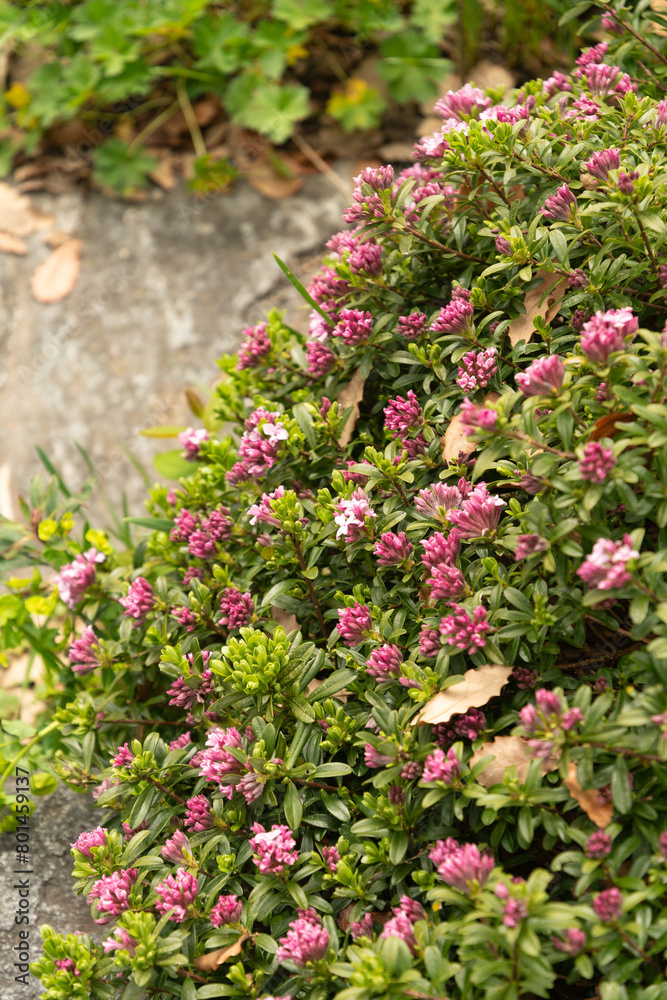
x,y
172,465
332,685
18,728
332,770
273,110
301,708
620,787
162,432
189,990
559,243
293,807
335,806
43,783
300,14
294,281
297,894
411,66
398,846
574,12
433,16
122,168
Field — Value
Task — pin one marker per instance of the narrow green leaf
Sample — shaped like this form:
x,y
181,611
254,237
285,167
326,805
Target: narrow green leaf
x,y
293,807
292,278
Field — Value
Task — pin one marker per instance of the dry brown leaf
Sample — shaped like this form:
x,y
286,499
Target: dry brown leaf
x,y
263,178
523,328
55,278
343,919
18,215
56,238
12,244
607,426
600,813
475,689
288,622
508,751
350,395
455,439
211,961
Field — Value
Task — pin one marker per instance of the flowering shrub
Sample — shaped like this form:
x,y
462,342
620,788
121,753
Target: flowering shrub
x,y
396,724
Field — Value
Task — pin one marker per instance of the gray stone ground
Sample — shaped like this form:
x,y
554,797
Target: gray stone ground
x,y
165,288
57,820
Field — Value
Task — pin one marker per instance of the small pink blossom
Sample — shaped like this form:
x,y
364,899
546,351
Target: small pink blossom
x,y
176,892
598,845
465,102
453,318
263,511
478,417
438,499
353,623
384,663
373,757
608,905
607,565
351,516
529,545
274,848
572,943
463,631
183,741
112,893
439,766
184,695
597,462
463,867
354,326
479,514
400,926
123,941
441,549
198,814
446,583
392,549
257,345
467,726
177,848
306,941
560,206
184,524
429,642
76,577
606,332
321,359
413,326
217,762
476,369
543,377
124,757
227,910
403,415
140,599
362,928
86,841
366,258
331,857
601,162
192,440
237,608
84,652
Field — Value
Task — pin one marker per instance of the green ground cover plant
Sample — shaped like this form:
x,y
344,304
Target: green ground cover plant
x,y
130,67
379,707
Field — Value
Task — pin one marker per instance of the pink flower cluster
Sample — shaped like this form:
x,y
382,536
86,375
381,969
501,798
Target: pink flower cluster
x,y
401,924
177,849
139,600
198,813
453,318
560,206
543,377
176,892
606,332
354,326
438,499
192,439
351,516
236,608
84,652
476,369
481,418
439,766
217,763
413,326
403,415
257,345
90,839
468,726
76,577
547,722
597,462
466,102
123,941
461,866
384,663
306,940
112,893
227,910
184,695
263,511
608,905
353,623
478,515
321,359
529,545
463,631
601,162
393,549
259,446
274,849
607,565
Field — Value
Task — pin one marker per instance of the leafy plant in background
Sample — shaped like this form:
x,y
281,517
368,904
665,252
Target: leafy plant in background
x,y
378,709
124,69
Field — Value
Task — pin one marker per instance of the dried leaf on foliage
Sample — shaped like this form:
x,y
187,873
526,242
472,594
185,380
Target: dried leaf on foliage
x,y
288,622
12,244
211,961
164,175
455,438
608,425
18,216
350,395
56,238
549,294
55,278
265,179
508,751
600,813
475,689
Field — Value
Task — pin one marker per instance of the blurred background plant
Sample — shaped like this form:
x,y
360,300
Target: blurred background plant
x,y
103,85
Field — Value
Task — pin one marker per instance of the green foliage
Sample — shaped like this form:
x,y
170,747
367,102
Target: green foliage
x,y
115,66
377,707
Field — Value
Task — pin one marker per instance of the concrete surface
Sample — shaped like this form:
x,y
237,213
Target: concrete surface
x,y
56,822
165,288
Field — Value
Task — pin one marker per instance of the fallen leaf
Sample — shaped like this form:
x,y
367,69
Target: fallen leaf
x,y
600,813
55,278
12,244
350,395
288,622
607,426
549,293
475,689
263,178
164,175
455,438
56,238
211,961
508,751
18,215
